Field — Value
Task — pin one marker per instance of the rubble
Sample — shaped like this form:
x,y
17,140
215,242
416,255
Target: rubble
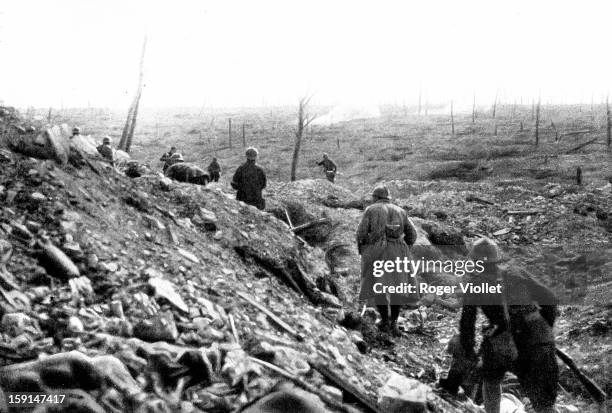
x,y
133,292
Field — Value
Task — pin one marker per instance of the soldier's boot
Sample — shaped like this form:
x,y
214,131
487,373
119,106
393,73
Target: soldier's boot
x,y
491,392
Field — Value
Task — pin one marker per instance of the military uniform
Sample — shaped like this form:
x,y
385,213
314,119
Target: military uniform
x,y
106,151
384,233
187,172
214,170
532,310
330,168
250,180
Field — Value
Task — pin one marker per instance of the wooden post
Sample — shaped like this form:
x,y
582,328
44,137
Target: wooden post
x,y
495,105
452,120
495,129
537,123
579,176
243,136
229,132
49,116
521,129
609,121
474,109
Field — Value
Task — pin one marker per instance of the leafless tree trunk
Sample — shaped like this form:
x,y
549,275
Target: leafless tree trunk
x,y
243,136
495,105
532,109
304,119
537,123
452,120
229,132
49,116
130,124
609,121
420,96
474,109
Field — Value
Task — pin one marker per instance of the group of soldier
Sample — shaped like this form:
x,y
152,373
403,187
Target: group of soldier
x,y
519,336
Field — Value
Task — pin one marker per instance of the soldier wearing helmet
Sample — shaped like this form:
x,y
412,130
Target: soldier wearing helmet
x,y
76,131
168,154
214,170
385,234
176,157
106,150
250,180
329,167
519,336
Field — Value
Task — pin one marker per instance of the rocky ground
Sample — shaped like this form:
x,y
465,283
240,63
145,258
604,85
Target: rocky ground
x,y
150,295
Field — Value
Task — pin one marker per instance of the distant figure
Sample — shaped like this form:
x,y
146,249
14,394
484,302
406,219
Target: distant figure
x,y
76,131
329,167
384,234
166,157
187,172
105,149
214,170
132,169
250,180
175,158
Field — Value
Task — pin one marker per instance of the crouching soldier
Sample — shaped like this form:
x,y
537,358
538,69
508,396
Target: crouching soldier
x,y
187,172
519,337
106,150
132,169
171,159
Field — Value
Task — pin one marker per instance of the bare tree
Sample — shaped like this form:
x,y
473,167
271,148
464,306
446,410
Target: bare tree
x,y
420,95
130,124
474,109
495,104
304,119
452,120
537,123
609,121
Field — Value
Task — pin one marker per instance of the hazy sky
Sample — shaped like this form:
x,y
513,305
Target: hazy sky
x,y
254,52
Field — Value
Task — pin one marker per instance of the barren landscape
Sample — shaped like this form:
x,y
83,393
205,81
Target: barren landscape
x,y
189,255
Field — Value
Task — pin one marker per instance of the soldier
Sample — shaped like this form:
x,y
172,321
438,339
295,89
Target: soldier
x,y
166,157
168,154
187,172
76,131
132,169
214,170
105,149
329,167
519,337
174,158
385,233
250,180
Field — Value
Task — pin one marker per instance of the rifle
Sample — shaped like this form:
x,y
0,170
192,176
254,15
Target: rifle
x,y
594,390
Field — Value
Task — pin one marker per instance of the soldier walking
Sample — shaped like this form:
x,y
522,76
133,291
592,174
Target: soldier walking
x,y
385,233
519,337
250,180
329,168
214,170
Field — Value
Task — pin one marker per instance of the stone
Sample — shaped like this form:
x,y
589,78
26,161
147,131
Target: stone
x,y
402,394
165,289
209,219
38,197
156,329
